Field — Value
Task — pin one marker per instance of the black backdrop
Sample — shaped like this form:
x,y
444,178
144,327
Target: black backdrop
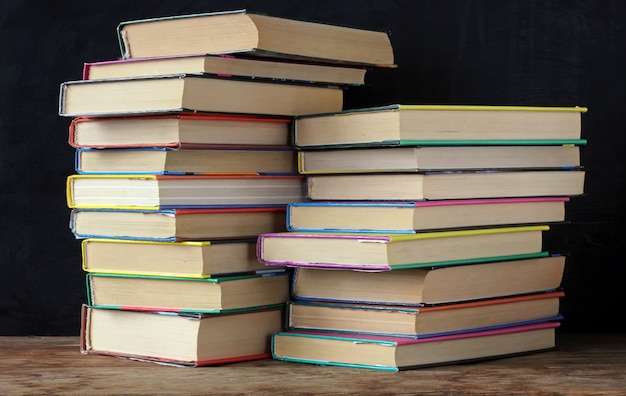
x,y
560,53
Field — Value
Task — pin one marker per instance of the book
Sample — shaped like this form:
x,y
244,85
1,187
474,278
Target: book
x,y
227,65
446,185
186,294
242,32
179,131
177,161
430,285
396,125
410,217
185,92
421,322
436,158
399,353
192,259
384,252
190,339
177,191
176,224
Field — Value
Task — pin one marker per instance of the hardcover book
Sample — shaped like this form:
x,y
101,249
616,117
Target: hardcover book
x,y
180,131
184,92
431,285
239,31
178,191
384,252
437,158
191,339
177,224
397,125
397,353
183,161
446,185
187,294
421,322
226,65
410,217
193,259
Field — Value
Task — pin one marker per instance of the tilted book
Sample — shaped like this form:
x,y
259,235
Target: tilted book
x,y
397,353
239,31
229,65
384,252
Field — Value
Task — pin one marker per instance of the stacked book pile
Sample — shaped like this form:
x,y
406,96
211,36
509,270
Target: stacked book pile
x,y
183,158
422,243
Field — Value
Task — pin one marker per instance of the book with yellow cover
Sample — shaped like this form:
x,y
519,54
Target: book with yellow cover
x,y
132,191
193,259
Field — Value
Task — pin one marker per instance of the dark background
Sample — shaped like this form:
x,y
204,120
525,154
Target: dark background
x,y
552,53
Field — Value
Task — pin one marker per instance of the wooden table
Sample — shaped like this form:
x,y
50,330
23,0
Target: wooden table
x,y
586,364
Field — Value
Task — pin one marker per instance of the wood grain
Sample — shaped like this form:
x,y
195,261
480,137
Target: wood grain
x,y
585,364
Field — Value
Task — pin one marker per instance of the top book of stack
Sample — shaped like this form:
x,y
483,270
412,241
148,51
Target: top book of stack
x,y
244,33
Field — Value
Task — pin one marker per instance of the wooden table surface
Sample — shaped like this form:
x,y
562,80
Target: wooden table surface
x,y
585,364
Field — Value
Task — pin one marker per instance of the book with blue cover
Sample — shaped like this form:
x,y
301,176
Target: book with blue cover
x,y
419,216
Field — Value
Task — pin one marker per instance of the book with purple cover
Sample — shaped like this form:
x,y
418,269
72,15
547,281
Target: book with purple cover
x,y
383,252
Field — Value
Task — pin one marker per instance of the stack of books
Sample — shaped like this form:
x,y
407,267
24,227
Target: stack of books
x,y
423,240
183,158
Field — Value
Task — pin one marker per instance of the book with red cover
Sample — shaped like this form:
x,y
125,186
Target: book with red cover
x,y
184,130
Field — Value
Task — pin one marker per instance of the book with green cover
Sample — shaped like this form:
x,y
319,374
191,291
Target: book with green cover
x,y
181,294
420,125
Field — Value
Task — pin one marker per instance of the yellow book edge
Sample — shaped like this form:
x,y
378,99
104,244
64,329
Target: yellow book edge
x,y
72,205
143,273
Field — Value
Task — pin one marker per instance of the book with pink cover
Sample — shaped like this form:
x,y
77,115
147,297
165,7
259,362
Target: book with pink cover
x,y
397,353
383,252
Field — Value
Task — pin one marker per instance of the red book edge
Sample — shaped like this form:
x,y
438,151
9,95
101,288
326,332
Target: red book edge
x,y
182,116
